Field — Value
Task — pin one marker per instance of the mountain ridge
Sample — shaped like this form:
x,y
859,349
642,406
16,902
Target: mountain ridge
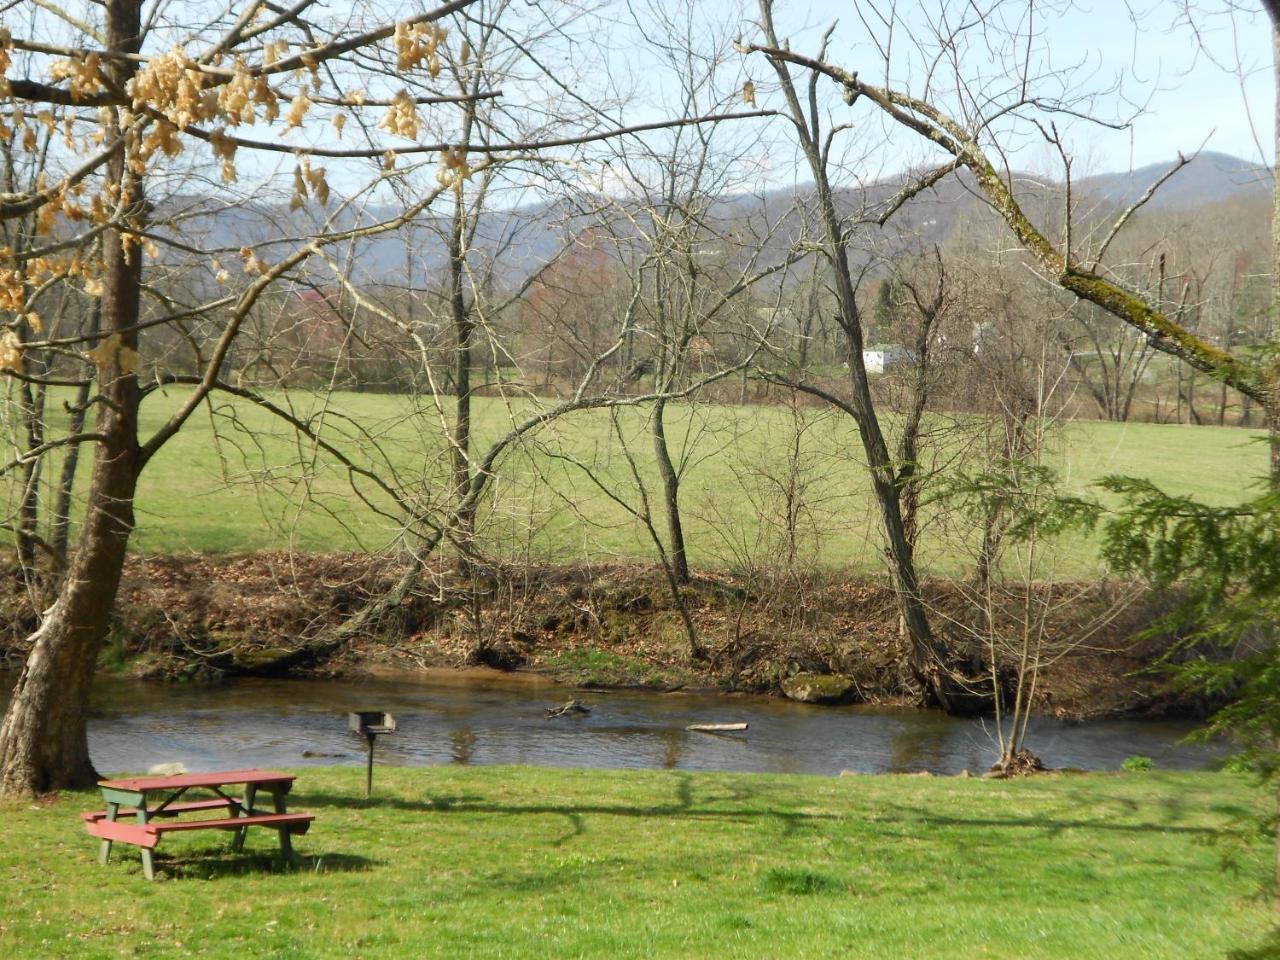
x,y
523,239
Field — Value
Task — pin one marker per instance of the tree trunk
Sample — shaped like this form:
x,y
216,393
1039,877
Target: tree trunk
x,y
1271,409
925,660
1193,415
463,327
43,741
925,656
670,495
992,534
61,537
32,405
917,401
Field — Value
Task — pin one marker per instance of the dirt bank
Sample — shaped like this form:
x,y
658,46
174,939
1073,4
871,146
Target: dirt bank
x,y
205,618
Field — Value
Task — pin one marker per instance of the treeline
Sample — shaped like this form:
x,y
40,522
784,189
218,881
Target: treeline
x,y
545,323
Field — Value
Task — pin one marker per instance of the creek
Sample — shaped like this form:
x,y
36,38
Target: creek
x,y
465,719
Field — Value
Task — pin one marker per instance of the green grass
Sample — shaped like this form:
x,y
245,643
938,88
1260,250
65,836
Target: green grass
x,y
524,862
238,481
589,667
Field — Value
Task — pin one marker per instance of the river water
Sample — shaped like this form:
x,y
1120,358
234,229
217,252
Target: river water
x,y
465,720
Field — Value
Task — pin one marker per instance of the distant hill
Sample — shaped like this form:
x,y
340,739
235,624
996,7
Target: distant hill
x,y
1209,178
520,241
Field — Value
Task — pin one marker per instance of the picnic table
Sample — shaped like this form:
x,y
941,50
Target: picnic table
x,y
156,803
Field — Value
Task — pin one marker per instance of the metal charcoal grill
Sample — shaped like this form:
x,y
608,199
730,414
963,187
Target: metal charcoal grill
x,y
370,724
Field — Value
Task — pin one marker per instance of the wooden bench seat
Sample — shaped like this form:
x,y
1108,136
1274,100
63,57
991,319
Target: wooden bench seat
x,y
293,822
134,833
147,835
172,810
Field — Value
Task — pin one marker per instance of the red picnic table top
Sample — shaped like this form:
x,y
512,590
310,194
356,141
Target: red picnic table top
x,y
212,778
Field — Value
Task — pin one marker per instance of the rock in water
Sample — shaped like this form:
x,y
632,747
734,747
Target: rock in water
x,y
818,688
167,769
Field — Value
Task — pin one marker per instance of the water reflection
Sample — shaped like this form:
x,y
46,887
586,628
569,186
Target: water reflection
x,y
910,745
673,747
272,723
463,742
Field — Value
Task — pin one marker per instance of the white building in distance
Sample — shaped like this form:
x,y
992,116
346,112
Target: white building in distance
x,y
884,356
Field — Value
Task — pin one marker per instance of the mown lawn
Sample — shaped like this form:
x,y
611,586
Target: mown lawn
x,y
236,480
526,862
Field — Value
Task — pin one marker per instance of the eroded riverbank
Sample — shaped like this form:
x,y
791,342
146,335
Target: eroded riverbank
x,y
206,618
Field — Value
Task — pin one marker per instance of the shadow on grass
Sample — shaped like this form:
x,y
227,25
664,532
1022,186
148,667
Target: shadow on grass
x,y
215,865
1107,814
1268,949
683,806
1053,825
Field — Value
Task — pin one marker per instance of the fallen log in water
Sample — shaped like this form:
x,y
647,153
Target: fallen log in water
x,y
716,727
570,707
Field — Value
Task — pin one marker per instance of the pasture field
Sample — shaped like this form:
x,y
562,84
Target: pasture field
x,y
532,862
237,479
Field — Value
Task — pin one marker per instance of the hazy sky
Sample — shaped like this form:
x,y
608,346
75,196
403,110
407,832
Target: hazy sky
x,y
1196,85
1203,83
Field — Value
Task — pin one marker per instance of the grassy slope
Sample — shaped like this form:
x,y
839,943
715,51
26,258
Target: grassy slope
x,y
522,862
200,493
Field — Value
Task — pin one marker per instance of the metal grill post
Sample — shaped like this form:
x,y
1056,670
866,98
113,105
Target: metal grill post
x,y
368,724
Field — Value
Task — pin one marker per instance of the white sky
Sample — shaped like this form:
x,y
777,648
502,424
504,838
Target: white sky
x,y
1178,84
1209,87
1204,84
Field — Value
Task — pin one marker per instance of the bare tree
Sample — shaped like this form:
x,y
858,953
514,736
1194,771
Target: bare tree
x,y
685,208
635,500
1007,509
1110,363
1077,264
925,655
927,308
145,94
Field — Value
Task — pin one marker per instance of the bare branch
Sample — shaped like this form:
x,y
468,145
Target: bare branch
x,y
1135,207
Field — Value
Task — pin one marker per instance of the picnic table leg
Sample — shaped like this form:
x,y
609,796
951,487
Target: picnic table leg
x,y
246,810
104,852
148,863
286,841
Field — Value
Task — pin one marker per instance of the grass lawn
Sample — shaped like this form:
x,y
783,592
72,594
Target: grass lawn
x,y
235,480
525,862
